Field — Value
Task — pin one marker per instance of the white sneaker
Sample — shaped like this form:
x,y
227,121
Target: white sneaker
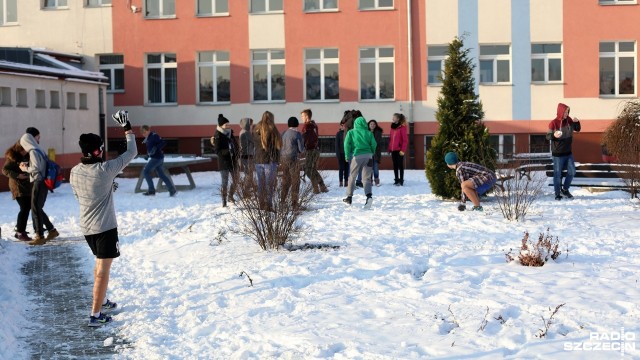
x,y
367,205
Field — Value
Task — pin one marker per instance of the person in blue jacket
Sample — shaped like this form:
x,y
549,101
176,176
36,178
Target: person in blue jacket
x,y
155,144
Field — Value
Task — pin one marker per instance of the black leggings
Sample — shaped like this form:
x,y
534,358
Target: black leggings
x,y
398,165
23,215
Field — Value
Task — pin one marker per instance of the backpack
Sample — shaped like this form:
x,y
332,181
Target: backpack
x,y
53,175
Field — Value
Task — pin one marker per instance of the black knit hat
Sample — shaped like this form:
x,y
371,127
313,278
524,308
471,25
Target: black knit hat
x,y
90,144
293,122
222,120
33,131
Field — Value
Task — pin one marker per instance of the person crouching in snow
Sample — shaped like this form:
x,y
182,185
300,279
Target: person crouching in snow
x,y
361,143
475,180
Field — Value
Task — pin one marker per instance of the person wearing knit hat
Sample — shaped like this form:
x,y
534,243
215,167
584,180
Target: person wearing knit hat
x,y
475,180
92,182
226,147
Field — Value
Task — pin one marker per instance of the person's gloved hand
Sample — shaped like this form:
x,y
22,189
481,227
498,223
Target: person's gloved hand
x,y
122,118
462,207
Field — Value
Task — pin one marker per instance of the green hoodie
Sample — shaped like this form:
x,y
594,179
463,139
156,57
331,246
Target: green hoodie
x,y
359,140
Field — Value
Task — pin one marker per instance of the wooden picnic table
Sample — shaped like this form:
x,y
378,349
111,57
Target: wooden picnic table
x,y
171,161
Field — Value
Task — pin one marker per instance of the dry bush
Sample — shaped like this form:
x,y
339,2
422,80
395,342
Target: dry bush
x,y
518,193
273,223
538,253
622,139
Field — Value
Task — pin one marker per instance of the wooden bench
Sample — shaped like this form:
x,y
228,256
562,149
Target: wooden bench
x,y
600,176
501,178
528,162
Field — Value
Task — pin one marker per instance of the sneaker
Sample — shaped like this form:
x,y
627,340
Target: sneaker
x,y
368,203
38,240
172,193
558,197
566,194
149,193
347,200
99,321
52,234
477,208
359,184
22,236
109,305
377,182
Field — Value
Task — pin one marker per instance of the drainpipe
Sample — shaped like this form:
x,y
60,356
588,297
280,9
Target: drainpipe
x,y
412,152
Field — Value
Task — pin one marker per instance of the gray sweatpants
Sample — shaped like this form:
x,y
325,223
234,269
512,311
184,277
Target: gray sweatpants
x,y
364,162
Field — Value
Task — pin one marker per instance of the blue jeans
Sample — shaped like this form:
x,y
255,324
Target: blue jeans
x,y
266,174
561,163
156,165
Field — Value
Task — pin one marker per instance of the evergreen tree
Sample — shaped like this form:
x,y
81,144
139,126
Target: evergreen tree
x,y
461,128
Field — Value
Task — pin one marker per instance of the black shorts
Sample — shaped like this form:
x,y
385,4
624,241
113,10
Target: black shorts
x,y
104,245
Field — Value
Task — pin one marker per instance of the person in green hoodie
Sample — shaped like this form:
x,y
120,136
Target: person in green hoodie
x,y
362,144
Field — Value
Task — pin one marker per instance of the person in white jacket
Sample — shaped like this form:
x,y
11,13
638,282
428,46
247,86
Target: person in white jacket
x,y
92,182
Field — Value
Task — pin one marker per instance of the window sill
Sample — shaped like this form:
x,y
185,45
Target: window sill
x,y
322,101
213,103
169,17
279,12
320,11
618,96
160,104
376,100
268,101
496,84
204,16
548,83
378,9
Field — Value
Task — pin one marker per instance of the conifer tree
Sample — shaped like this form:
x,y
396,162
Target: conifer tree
x,y
461,128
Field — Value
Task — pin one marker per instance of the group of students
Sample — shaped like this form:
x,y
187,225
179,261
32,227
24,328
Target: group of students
x,y
25,166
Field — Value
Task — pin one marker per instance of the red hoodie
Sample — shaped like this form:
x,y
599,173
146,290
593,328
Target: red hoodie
x,y
562,146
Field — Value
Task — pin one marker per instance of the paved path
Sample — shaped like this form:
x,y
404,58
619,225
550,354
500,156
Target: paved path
x,y
61,289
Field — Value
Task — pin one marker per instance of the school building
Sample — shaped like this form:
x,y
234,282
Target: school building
x,y
176,65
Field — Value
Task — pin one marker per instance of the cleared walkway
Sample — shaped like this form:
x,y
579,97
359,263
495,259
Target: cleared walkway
x,y
62,289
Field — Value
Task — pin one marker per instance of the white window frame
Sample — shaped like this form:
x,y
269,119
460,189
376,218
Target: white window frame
x,y
616,55
494,59
376,5
320,5
322,61
269,62
377,60
161,14
3,5
214,9
267,7
214,65
111,68
163,65
55,4
617,2
546,57
440,58
97,3
501,157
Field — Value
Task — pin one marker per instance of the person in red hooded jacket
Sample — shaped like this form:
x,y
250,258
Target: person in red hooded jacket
x,y
560,133
398,141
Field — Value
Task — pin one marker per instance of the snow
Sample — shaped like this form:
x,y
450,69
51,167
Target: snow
x,y
413,278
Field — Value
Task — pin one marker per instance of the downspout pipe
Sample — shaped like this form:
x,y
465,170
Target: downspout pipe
x,y
412,152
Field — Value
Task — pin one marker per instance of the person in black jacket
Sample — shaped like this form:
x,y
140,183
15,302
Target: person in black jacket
x,y
343,165
377,156
560,134
227,149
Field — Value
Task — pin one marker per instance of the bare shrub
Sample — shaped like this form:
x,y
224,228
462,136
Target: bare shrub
x,y
622,139
547,322
518,193
270,215
538,253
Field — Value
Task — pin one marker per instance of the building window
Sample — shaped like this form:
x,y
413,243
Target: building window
x,y
539,144
376,73
112,66
41,99
265,6
375,4
320,5
162,78
504,146
71,101
52,4
617,68
8,12
206,149
55,100
617,2
321,74
267,72
436,55
83,102
97,3
160,8
546,63
5,96
21,98
213,7
495,64
214,77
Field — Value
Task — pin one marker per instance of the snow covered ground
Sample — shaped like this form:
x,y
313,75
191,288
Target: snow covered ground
x,y
413,278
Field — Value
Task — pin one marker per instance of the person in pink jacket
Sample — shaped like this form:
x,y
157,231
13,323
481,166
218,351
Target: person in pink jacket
x,y
398,141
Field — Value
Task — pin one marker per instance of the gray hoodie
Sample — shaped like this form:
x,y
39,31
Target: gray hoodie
x,y
37,162
92,184
247,147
